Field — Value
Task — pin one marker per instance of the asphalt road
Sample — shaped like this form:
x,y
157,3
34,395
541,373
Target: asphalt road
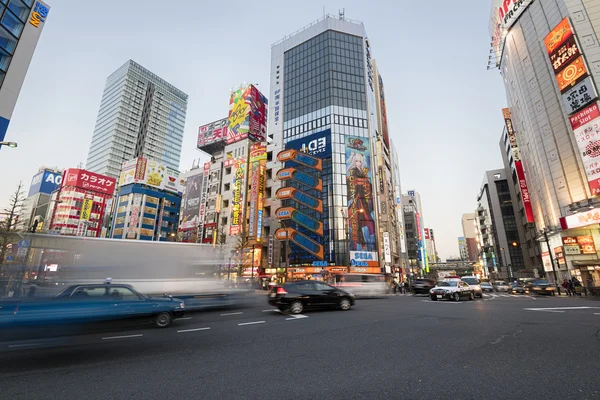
x,y
398,347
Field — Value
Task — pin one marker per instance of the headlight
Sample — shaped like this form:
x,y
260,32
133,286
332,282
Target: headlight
x,y
182,305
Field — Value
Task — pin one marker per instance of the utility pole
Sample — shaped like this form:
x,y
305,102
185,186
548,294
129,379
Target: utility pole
x,y
552,261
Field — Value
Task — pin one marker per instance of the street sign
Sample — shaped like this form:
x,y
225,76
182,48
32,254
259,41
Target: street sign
x,y
9,258
23,244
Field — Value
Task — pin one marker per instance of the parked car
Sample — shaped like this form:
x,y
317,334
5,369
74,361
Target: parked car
x,y
452,289
517,288
298,296
501,286
475,285
422,286
86,304
486,287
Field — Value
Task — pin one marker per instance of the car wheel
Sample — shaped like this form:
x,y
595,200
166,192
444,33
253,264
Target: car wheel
x,y
345,304
456,296
296,307
163,319
471,296
433,298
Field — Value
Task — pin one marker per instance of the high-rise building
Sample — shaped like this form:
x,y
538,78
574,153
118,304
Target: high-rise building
x,y
470,235
546,52
21,25
415,233
497,227
35,207
141,115
325,104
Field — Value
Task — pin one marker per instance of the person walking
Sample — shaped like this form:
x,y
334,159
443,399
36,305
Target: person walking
x,y
565,285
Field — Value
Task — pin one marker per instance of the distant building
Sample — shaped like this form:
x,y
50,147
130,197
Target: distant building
x,y
35,208
141,115
415,235
469,227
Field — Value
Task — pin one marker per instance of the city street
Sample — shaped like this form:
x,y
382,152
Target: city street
x,y
401,346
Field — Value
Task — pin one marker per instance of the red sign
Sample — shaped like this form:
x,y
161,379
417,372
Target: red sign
x,y
427,233
524,191
567,52
87,180
558,36
584,116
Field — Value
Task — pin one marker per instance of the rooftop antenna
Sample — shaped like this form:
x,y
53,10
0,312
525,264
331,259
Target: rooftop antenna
x,y
341,13
80,165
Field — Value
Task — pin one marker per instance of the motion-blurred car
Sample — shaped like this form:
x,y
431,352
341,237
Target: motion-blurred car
x,y
361,285
517,288
475,285
486,287
452,289
298,296
87,304
422,286
541,287
501,286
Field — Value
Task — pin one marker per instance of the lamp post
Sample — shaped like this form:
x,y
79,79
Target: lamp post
x,y
545,233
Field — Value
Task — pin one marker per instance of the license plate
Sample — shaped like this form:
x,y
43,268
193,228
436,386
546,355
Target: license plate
x,y
439,296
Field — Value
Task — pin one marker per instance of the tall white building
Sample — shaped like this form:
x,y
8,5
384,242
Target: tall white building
x,y
141,115
547,52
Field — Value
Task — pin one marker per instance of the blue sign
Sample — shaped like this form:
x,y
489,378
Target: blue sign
x,y
318,145
354,263
9,258
45,182
320,264
23,244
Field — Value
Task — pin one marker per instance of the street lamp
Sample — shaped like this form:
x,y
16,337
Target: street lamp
x,y
12,145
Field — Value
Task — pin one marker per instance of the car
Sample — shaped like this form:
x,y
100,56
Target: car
x,y
475,284
362,285
501,286
517,288
91,303
452,289
541,287
486,287
295,297
422,286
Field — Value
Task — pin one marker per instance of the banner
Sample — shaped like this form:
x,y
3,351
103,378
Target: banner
x,y
237,201
386,247
361,214
190,209
586,127
86,208
203,200
215,132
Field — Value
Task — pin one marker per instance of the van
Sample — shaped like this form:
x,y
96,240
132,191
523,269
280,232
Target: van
x,y
362,285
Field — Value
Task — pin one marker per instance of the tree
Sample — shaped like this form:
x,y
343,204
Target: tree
x,y
13,220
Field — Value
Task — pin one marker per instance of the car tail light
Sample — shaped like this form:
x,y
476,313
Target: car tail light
x,y
281,290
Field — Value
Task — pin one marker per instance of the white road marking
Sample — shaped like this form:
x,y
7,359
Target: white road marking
x,y
184,318
232,313
121,337
559,308
445,302
596,313
24,345
295,317
251,323
272,310
193,330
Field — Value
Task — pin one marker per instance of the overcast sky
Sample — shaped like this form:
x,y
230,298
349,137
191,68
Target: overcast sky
x,y
444,107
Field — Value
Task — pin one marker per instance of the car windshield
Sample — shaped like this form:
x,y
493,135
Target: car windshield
x,y
448,283
471,281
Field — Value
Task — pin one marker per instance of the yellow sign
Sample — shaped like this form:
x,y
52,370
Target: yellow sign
x,y
86,209
39,14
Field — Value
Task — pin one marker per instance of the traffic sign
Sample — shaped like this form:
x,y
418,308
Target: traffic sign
x,y
9,258
23,243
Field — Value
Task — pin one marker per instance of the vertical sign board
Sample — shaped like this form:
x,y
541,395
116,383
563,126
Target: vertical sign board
x,y
512,138
237,201
202,207
586,127
386,247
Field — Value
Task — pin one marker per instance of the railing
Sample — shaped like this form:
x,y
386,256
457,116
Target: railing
x,y
323,18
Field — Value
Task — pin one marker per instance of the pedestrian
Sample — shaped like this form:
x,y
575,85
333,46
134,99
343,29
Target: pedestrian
x,y
571,286
565,285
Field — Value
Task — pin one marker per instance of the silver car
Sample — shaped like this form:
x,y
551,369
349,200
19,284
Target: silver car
x,y
475,284
501,286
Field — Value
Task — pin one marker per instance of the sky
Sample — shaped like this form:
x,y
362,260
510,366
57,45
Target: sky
x,y
443,105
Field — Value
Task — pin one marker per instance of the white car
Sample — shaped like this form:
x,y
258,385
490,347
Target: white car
x,y
451,289
475,284
501,286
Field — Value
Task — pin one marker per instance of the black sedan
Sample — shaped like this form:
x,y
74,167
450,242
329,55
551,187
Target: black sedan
x,y
541,287
422,286
517,288
297,296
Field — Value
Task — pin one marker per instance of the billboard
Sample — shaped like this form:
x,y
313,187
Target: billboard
x,y
247,115
89,181
572,74
237,200
361,214
512,139
318,144
152,173
45,182
507,12
214,132
258,160
203,197
576,245
386,247
190,209
586,127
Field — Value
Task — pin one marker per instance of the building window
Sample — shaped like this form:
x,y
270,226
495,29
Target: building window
x,y
225,203
269,174
227,187
228,171
224,221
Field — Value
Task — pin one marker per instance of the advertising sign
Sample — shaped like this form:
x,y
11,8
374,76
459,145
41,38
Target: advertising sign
x,y
151,173
586,128
386,247
214,132
571,245
317,144
427,234
572,74
384,123
191,203
89,181
86,208
128,172
45,182
39,14
361,222
587,244
204,191
547,261
247,115
579,95
558,36
512,138
559,255
564,55
237,201
509,11
580,219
